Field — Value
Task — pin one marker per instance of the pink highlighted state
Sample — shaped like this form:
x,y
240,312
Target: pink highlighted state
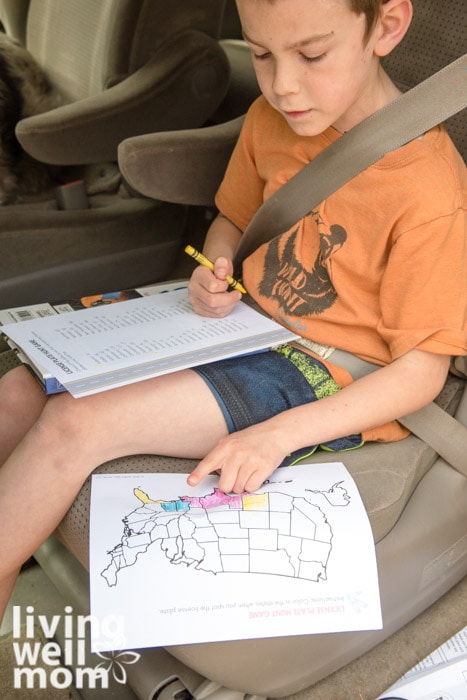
x,y
212,500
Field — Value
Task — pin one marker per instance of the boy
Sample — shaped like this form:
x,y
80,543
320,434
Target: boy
x,y
361,273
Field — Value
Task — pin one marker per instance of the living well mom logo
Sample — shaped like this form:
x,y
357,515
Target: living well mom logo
x,y
48,664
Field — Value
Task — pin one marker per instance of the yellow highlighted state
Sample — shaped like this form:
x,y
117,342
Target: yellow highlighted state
x,y
143,497
257,501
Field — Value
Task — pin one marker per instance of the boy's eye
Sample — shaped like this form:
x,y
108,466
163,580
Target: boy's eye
x,y
313,59
307,59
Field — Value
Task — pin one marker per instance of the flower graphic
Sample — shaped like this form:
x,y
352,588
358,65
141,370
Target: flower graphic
x,y
116,661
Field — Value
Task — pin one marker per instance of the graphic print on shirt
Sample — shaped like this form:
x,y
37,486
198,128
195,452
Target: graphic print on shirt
x,y
299,291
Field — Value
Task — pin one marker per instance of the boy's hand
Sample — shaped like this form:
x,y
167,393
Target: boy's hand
x,y
209,292
243,459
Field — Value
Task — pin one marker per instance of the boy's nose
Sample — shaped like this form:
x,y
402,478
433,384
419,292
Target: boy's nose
x,y
285,80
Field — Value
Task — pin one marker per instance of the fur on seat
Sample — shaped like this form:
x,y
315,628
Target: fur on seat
x,y
24,92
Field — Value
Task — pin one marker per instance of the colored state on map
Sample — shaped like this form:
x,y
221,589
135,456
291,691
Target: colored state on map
x,y
264,533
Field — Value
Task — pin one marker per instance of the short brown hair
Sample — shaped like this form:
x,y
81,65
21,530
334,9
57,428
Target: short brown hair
x,y
369,8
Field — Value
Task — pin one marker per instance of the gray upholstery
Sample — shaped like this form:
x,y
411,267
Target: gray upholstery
x,y
13,17
182,166
122,67
436,37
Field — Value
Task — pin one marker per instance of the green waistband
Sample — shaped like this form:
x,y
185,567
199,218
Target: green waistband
x,y
316,374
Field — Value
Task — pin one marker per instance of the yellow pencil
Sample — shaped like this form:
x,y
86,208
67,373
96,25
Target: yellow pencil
x,y
203,260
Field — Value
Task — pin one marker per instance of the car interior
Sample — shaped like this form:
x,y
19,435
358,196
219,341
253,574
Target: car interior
x,y
153,101
120,68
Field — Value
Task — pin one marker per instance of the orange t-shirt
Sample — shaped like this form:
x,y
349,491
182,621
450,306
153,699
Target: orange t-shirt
x,y
379,267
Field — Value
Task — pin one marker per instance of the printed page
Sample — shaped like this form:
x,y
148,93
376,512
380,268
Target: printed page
x,y
107,346
171,564
442,675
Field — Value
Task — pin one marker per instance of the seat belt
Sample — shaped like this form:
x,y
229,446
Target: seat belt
x,y
446,435
427,104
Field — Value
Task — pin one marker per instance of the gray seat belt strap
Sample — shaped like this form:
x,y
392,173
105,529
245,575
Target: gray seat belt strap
x,y
446,435
429,103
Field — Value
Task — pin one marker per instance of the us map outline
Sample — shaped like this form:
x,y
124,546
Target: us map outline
x,y
268,532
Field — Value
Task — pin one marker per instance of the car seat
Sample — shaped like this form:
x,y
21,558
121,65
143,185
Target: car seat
x,y
121,67
416,502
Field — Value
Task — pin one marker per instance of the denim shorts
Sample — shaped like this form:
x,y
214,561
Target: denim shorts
x,y
252,388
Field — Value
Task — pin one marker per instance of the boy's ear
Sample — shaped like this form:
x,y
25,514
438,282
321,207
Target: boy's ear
x,y
393,23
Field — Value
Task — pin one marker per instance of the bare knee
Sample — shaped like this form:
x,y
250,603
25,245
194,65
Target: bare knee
x,y
74,430
64,420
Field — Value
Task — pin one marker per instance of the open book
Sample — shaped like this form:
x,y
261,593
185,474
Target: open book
x,y
103,347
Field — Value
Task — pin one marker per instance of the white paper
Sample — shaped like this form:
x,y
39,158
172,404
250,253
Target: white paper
x,y
100,348
177,565
442,675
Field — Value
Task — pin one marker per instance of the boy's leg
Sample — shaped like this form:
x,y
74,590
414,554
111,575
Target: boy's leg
x,y
21,402
173,415
6,589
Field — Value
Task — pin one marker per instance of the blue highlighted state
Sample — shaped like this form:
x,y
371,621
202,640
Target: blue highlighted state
x,y
175,506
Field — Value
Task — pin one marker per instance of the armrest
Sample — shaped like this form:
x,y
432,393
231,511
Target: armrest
x,y
179,87
182,167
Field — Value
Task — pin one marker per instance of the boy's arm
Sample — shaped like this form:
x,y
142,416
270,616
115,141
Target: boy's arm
x,y
246,458
208,291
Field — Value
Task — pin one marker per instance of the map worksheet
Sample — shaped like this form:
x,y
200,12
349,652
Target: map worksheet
x,y
172,564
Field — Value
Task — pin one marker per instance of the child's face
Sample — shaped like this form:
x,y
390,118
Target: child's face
x,y
311,61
